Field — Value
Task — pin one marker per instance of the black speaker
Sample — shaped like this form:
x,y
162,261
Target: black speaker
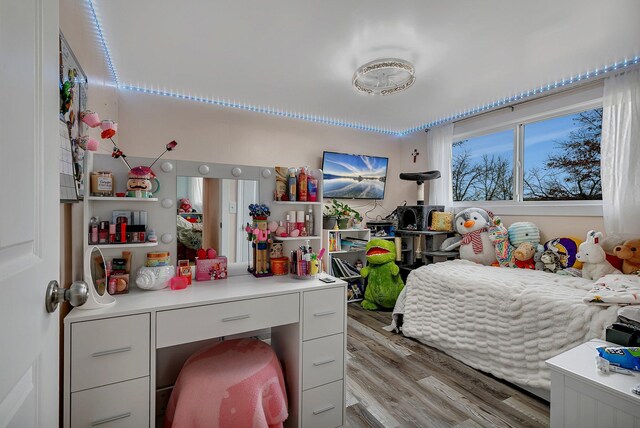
x,y
416,217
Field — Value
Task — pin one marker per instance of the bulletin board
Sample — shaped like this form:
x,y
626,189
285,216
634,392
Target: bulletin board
x,y
73,99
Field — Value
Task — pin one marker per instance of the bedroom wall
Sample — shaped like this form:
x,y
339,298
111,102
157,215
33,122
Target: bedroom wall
x,y
214,134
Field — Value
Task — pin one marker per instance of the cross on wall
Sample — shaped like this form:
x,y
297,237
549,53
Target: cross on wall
x,y
415,155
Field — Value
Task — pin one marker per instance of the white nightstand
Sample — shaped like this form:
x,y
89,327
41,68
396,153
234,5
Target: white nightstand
x,y
582,397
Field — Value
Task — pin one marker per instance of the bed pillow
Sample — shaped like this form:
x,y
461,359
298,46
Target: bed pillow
x,y
566,248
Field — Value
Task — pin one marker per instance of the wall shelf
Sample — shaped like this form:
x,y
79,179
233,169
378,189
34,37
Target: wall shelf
x,y
296,203
121,199
296,238
128,245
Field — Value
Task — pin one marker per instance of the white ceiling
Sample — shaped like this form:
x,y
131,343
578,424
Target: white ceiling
x,y
300,55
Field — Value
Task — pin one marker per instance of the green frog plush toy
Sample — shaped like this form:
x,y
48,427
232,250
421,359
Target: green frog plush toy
x,y
385,283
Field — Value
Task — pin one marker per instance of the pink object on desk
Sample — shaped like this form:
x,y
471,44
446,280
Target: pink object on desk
x,y
179,282
234,383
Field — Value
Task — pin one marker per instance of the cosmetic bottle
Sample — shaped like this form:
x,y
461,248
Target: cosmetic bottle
x,y
103,233
292,184
112,233
302,184
309,222
290,225
299,220
312,189
93,231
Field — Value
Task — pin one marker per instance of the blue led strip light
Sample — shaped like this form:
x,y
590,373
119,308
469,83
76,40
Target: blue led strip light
x,y
264,110
523,95
103,42
359,126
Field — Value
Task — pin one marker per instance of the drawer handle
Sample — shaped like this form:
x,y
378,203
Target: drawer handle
x,y
324,409
324,314
111,351
236,318
111,419
321,363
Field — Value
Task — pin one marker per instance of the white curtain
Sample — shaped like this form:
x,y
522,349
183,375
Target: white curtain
x,y
620,154
196,189
439,141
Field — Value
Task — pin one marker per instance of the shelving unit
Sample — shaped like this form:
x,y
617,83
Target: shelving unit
x,y
356,283
279,210
422,247
158,218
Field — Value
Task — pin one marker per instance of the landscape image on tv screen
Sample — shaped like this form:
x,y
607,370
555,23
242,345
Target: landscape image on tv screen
x,y
353,176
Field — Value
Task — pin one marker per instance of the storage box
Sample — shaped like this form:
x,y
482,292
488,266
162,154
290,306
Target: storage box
x,y
208,269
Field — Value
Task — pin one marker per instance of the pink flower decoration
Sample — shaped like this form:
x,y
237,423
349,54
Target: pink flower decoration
x,y
90,118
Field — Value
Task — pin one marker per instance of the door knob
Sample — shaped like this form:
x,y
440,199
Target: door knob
x,y
76,295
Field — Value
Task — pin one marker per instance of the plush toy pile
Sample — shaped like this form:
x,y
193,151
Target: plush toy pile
x,y
486,240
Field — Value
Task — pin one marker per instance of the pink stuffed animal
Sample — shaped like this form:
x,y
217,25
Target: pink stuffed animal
x,y
185,206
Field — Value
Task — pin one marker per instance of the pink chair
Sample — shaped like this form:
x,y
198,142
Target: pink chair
x,y
235,383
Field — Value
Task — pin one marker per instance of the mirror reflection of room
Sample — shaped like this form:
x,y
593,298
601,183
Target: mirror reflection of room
x,y
212,213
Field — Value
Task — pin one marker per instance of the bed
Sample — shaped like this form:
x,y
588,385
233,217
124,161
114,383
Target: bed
x,y
189,235
506,322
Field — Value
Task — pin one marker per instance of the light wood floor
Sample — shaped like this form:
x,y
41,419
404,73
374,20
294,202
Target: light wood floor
x,y
394,381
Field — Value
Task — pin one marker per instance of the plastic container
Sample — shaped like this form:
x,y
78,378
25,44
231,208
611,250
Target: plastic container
x,y
158,258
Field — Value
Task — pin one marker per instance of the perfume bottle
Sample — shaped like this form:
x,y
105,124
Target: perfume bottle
x,y
93,230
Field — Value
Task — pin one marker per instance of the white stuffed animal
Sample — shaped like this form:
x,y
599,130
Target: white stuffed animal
x,y
593,258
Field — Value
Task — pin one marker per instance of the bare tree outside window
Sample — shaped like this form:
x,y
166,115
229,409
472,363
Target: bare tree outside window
x,y
561,161
482,168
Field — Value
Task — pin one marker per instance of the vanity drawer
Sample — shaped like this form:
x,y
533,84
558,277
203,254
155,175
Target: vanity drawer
x,y
324,312
178,326
322,407
322,361
109,350
123,404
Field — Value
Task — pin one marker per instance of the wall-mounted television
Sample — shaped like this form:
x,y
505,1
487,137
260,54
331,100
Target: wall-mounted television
x,y
349,176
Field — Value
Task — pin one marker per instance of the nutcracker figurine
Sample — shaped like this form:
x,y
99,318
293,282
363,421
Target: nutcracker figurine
x,y
261,240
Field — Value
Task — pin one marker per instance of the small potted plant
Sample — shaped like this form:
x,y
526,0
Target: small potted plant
x,y
341,212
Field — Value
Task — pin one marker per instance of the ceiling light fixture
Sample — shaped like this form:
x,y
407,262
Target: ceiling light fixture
x,y
384,76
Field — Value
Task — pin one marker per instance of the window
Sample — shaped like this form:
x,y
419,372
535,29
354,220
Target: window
x,y
482,168
560,158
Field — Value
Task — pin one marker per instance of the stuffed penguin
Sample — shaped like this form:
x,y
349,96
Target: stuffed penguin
x,y
473,224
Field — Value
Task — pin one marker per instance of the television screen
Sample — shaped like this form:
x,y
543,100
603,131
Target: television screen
x,y
353,176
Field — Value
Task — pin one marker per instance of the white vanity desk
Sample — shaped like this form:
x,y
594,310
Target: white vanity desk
x,y
114,356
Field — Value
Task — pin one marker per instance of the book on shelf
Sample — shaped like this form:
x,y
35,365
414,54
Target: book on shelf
x,y
351,268
345,269
337,269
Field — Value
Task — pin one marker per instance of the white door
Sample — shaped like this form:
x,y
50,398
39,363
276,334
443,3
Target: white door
x,y
29,212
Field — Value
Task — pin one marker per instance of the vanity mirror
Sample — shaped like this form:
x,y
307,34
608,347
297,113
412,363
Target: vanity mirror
x,y
211,213
220,195
95,276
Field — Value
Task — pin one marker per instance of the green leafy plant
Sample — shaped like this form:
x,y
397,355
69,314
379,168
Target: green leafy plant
x,y
341,210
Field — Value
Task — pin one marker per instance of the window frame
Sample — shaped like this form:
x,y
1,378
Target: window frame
x,y
517,206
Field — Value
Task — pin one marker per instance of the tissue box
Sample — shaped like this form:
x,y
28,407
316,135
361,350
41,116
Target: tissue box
x,y
208,269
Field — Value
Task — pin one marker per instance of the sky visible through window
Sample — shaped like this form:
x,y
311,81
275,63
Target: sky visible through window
x,y
561,161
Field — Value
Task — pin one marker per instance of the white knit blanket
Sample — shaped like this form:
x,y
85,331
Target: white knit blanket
x,y
503,321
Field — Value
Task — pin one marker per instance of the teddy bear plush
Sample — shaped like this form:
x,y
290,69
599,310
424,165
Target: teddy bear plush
x,y
629,252
185,206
